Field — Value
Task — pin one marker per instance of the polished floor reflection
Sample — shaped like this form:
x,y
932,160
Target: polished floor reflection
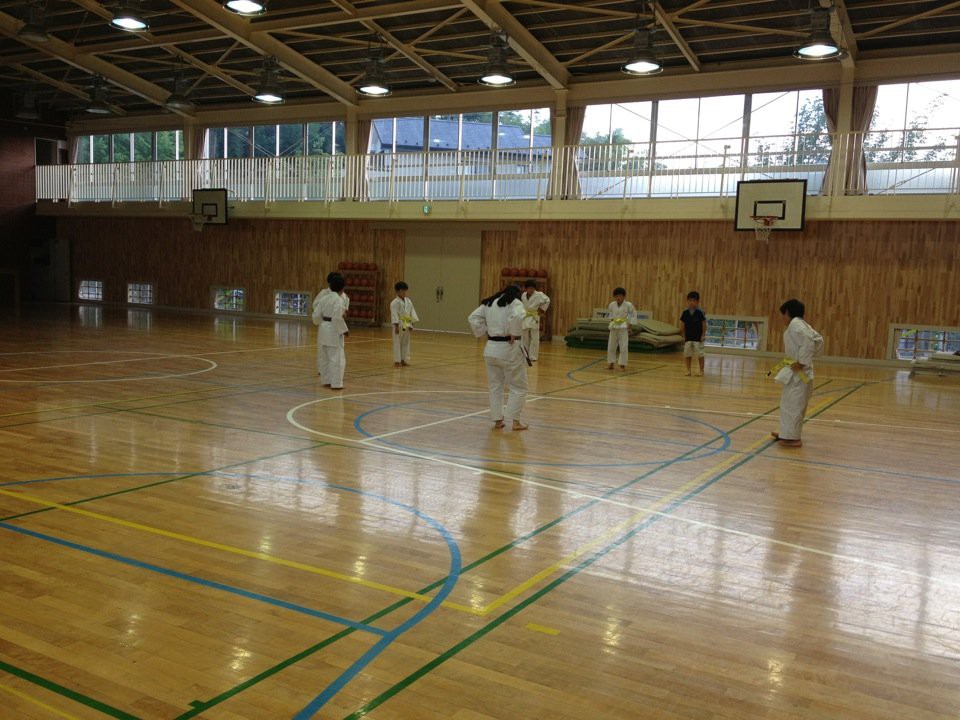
x,y
193,527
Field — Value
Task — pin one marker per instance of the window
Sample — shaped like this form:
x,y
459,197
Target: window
x,y
169,145
100,149
742,333
290,140
91,290
291,303
788,128
233,142
922,341
232,299
326,138
140,293
265,141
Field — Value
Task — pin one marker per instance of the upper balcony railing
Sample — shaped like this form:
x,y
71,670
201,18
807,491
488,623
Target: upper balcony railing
x,y
924,162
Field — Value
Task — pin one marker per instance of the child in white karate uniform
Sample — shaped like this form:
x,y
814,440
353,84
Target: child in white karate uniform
x,y
800,344
403,316
331,330
344,298
622,316
535,304
500,319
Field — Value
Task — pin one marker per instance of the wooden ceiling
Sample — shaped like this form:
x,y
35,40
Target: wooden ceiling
x,y
433,47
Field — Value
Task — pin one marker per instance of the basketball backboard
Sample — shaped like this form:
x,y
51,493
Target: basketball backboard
x,y
210,204
785,200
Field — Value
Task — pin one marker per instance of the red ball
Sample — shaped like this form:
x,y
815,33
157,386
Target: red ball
x,y
371,266
505,271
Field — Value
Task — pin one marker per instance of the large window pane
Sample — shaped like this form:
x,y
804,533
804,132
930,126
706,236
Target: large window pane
x,y
265,141
217,142
142,146
101,148
122,147
170,145
84,146
339,137
238,142
291,139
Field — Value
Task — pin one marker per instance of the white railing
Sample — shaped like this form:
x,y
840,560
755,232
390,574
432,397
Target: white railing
x,y
900,162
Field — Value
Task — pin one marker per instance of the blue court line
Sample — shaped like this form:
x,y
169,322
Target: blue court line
x,y
193,579
584,367
357,423
453,575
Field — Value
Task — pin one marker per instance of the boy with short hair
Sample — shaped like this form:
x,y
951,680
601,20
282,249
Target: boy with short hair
x,y
535,304
622,315
403,316
694,324
800,344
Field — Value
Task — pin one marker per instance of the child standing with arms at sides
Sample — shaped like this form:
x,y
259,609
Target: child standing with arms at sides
x,y
499,319
622,316
694,324
403,316
535,303
328,316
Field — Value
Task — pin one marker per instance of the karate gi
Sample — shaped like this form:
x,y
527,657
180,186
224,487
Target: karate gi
x,y
799,344
328,312
316,301
533,305
621,318
402,315
506,365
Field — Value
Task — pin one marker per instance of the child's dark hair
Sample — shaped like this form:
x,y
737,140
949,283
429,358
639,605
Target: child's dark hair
x,y
332,275
504,297
619,291
693,295
401,285
793,308
530,283
336,281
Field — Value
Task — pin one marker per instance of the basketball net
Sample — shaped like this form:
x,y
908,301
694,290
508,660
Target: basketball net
x,y
764,224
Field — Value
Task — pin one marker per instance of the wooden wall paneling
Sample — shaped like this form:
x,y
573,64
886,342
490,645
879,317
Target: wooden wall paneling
x,y
855,277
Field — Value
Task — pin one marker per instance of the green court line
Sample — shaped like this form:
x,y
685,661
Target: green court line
x,y
65,692
200,706
164,482
516,609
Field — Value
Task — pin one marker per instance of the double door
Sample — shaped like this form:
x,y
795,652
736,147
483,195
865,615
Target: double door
x,y
442,268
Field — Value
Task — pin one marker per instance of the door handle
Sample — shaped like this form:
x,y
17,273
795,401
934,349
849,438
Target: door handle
x,y
438,293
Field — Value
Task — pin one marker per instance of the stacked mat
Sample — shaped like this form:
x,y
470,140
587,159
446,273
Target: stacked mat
x,y
645,335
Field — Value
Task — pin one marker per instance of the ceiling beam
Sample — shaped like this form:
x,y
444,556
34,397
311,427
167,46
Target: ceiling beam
x,y
65,87
664,19
67,53
241,29
379,11
840,25
910,19
494,15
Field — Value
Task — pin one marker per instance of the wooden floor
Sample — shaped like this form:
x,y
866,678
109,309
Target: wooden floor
x,y
193,528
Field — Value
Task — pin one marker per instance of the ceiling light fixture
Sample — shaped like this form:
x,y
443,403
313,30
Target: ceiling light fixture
x,y
270,90
129,17
820,44
497,73
374,82
246,7
643,60
98,104
34,29
178,100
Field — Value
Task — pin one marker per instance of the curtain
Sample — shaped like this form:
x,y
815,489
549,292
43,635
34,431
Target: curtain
x,y
73,149
565,179
849,148
363,147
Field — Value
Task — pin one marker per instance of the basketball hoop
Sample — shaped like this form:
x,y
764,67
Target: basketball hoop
x,y
764,224
200,220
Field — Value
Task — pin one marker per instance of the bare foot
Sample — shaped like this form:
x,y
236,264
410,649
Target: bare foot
x,y
404,363
775,435
518,426
498,425
791,443
396,365
688,373
610,366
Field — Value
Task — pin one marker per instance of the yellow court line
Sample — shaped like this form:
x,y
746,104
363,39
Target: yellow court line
x,y
218,546
655,509
542,629
24,696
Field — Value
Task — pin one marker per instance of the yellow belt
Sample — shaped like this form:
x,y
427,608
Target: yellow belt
x,y
406,321
619,321
787,362
533,313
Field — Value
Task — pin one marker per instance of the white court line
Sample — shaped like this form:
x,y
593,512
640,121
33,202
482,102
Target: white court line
x,y
587,496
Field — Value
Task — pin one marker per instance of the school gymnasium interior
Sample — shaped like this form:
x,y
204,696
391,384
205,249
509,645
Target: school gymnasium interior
x,y
193,527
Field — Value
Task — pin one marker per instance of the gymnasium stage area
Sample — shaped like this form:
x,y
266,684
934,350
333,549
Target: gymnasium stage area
x,y
194,528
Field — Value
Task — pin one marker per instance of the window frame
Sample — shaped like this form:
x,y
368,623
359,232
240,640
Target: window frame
x,y
761,323
893,339
88,284
278,302
215,291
